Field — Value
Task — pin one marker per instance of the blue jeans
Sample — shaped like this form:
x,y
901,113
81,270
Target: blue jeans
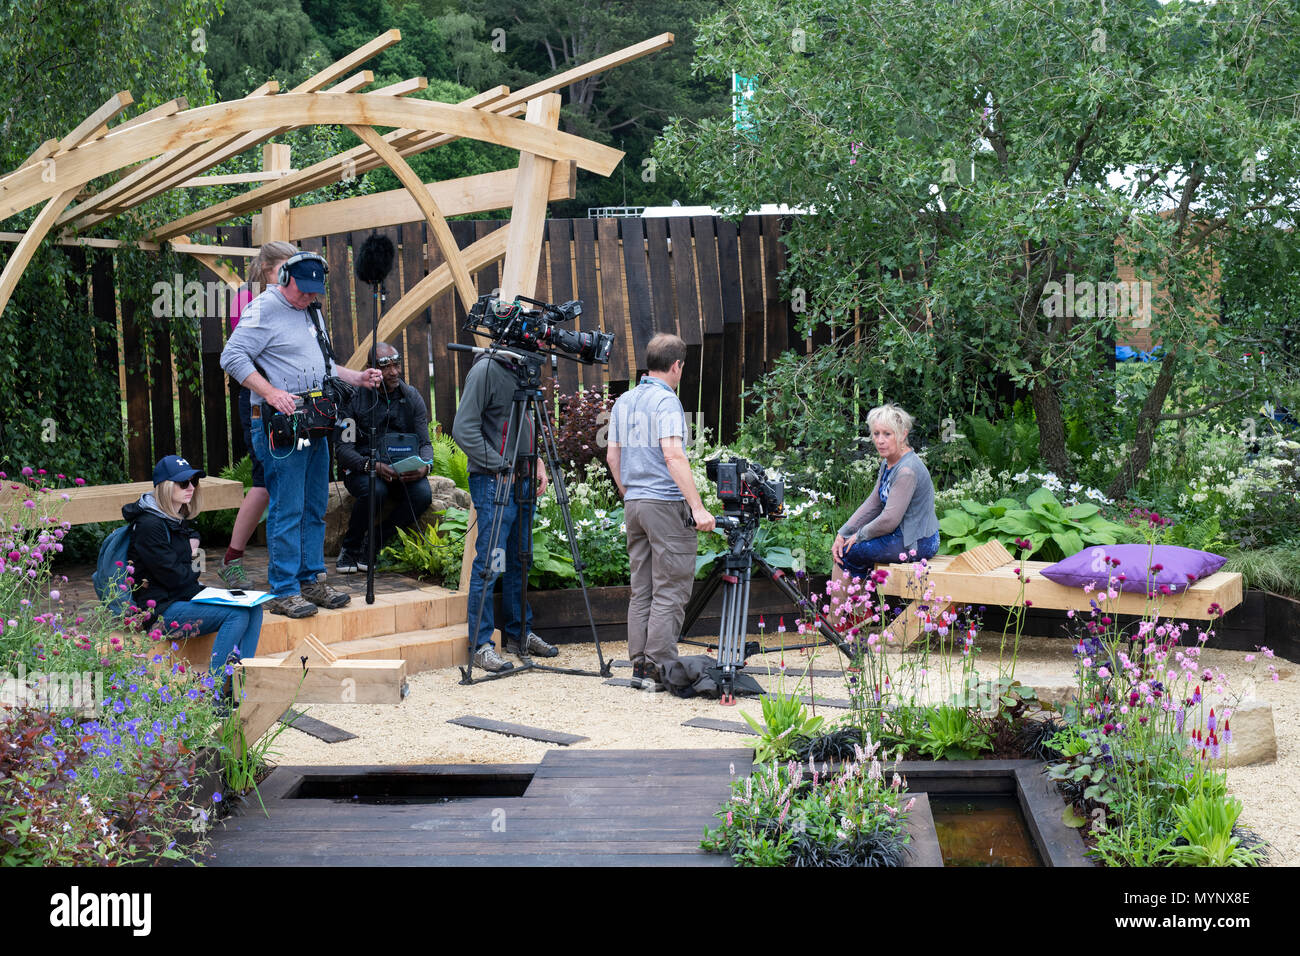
x,y
298,483
482,489
859,559
238,629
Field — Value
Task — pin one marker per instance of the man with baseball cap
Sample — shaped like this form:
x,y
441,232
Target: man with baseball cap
x,y
278,352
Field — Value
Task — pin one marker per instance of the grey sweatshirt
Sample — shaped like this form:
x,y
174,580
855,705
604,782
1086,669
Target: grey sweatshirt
x,y
278,341
483,414
911,505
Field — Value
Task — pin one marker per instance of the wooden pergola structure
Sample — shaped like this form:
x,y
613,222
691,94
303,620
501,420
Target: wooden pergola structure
x,y
171,146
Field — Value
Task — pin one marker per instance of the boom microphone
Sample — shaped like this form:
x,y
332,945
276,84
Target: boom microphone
x,y
375,259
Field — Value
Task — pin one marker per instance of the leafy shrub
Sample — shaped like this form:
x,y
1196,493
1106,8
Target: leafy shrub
x,y
1007,445
433,551
785,724
582,422
1053,530
448,460
950,733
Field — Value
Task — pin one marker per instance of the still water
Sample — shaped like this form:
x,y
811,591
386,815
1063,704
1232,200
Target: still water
x,y
982,831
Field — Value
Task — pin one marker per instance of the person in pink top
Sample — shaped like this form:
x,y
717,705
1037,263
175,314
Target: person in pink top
x,y
261,274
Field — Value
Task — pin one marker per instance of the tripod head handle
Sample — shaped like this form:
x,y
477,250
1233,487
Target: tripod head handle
x,y
722,523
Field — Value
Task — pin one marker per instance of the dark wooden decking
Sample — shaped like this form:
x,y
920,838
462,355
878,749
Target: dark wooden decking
x,y
582,808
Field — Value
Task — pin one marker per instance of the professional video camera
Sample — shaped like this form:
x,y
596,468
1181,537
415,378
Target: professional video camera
x,y
745,488
513,325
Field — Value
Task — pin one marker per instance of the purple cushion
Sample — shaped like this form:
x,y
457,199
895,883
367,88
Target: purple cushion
x,y
1173,567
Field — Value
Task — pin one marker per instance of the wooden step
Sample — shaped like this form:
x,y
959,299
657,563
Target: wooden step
x,y
393,613
423,650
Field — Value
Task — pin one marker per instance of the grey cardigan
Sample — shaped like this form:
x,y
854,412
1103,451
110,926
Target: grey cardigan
x,y
911,504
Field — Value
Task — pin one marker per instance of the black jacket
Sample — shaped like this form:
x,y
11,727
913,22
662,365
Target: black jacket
x,y
402,411
160,554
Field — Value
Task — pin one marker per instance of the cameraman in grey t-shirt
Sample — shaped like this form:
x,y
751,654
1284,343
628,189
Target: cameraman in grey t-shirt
x,y
647,457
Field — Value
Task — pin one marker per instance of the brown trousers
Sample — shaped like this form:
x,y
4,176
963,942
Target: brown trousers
x,y
661,554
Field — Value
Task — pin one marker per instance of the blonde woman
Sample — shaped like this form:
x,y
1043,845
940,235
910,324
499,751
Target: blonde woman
x,y
261,276
898,516
163,545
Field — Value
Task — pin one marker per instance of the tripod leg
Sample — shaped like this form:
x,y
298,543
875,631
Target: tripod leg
x,y
801,603
700,600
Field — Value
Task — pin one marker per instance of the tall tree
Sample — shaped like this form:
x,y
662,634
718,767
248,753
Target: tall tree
x,y
959,159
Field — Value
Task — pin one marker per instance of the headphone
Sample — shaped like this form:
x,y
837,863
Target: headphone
x,y
283,277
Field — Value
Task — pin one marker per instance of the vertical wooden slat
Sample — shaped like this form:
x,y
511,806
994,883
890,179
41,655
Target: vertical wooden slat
x,y
712,355
688,309
558,234
443,333
751,283
778,310
488,279
732,327
104,304
339,302
661,281
161,392
587,290
139,432
611,300
638,289
415,359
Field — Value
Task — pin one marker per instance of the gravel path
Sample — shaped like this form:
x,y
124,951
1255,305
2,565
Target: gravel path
x,y
416,731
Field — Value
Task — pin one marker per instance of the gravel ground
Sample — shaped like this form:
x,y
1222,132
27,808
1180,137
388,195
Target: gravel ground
x,y
416,731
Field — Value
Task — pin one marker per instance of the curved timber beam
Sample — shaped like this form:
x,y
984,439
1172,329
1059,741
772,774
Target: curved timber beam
x,y
292,110
438,227
475,256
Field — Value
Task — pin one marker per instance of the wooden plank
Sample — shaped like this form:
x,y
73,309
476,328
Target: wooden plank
x,y
661,278
517,730
215,406
438,229
415,357
687,305
777,320
751,284
732,328
235,179
559,233
270,681
190,403
103,298
483,192
528,213
89,128
316,728
443,331
91,503
985,557
139,432
488,279
339,302
587,290
275,216
611,300
22,255
638,290
353,83
712,356
728,726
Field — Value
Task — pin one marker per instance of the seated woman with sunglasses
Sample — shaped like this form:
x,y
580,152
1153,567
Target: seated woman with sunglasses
x,y
163,546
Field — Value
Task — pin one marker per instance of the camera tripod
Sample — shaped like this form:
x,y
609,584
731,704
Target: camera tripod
x,y
528,411
733,574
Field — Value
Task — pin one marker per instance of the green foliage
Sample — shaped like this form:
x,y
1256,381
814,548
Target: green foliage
x,y
217,526
448,460
785,724
433,551
1054,531
1275,569
1011,444
950,733
1206,822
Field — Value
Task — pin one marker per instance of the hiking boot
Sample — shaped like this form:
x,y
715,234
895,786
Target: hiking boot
x,y
232,574
350,563
486,658
291,605
536,647
322,595
646,677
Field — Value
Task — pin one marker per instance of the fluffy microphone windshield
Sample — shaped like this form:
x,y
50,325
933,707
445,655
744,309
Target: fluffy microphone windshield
x,y
375,259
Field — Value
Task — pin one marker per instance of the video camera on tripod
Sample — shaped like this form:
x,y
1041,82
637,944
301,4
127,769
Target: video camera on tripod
x,y
746,490
513,325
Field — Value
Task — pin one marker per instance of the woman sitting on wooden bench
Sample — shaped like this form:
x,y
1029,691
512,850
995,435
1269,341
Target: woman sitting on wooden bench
x,y
898,516
163,546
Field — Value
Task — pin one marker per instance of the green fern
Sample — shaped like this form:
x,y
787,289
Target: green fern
x,y
448,460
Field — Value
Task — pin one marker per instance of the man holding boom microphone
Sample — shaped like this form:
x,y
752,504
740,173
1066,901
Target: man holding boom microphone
x,y
280,352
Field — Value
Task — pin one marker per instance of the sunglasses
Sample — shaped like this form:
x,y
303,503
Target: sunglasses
x,y
188,482
388,360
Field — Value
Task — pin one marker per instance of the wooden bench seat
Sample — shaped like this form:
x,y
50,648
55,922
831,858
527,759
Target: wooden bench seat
x,y
987,575
92,503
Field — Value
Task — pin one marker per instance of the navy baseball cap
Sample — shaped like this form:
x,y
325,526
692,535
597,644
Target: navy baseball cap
x,y
175,468
310,273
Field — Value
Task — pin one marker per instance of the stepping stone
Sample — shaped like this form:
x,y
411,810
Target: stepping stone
x,y
518,730
730,726
627,682
316,728
1253,737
